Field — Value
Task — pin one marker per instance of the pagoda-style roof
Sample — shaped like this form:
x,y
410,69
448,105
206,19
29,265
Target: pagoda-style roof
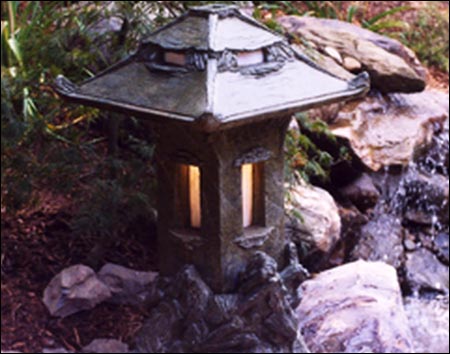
x,y
214,28
216,67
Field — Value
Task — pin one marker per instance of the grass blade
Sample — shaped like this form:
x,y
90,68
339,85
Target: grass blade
x,y
385,14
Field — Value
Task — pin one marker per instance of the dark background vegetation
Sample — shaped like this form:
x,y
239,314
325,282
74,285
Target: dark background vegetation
x,y
77,184
49,146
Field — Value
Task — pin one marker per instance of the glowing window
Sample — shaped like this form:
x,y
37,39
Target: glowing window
x,y
188,197
250,58
252,194
174,58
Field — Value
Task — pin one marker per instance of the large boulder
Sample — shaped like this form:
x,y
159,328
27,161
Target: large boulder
x,y
355,308
389,130
73,290
128,287
429,322
392,66
318,223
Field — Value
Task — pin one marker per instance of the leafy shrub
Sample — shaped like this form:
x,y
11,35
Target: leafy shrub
x,y
429,37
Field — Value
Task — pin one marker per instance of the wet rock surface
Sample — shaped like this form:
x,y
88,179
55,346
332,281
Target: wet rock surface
x,y
258,318
425,272
73,290
425,198
355,308
429,322
381,240
392,67
441,244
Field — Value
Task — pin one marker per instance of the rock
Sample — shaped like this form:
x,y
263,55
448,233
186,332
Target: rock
x,y
55,350
355,308
381,240
392,67
73,290
320,226
352,222
429,322
333,53
424,271
435,158
441,243
127,286
425,199
362,193
106,346
294,125
325,62
388,130
410,245
257,318
352,65
160,331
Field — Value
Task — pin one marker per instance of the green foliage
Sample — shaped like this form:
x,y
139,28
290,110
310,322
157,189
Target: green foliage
x,y
45,143
305,159
324,9
382,21
429,37
117,197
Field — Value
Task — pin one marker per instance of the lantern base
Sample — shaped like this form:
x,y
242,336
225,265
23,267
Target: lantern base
x,y
259,317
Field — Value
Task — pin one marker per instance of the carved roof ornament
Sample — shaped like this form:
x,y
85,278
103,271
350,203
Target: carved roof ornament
x,y
214,67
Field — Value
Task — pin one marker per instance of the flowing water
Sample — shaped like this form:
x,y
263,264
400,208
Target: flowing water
x,y
417,197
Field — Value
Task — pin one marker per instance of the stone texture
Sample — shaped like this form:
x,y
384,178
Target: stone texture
x,y
429,322
392,67
216,250
424,271
325,62
127,286
355,308
362,193
425,198
106,346
333,53
320,226
381,240
73,290
257,318
435,158
55,350
388,130
441,244
352,65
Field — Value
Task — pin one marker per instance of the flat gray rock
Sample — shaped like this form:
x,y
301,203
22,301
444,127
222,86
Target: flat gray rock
x,y
127,286
392,66
73,290
425,271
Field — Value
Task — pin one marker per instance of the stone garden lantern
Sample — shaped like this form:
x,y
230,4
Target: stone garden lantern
x,y
219,89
